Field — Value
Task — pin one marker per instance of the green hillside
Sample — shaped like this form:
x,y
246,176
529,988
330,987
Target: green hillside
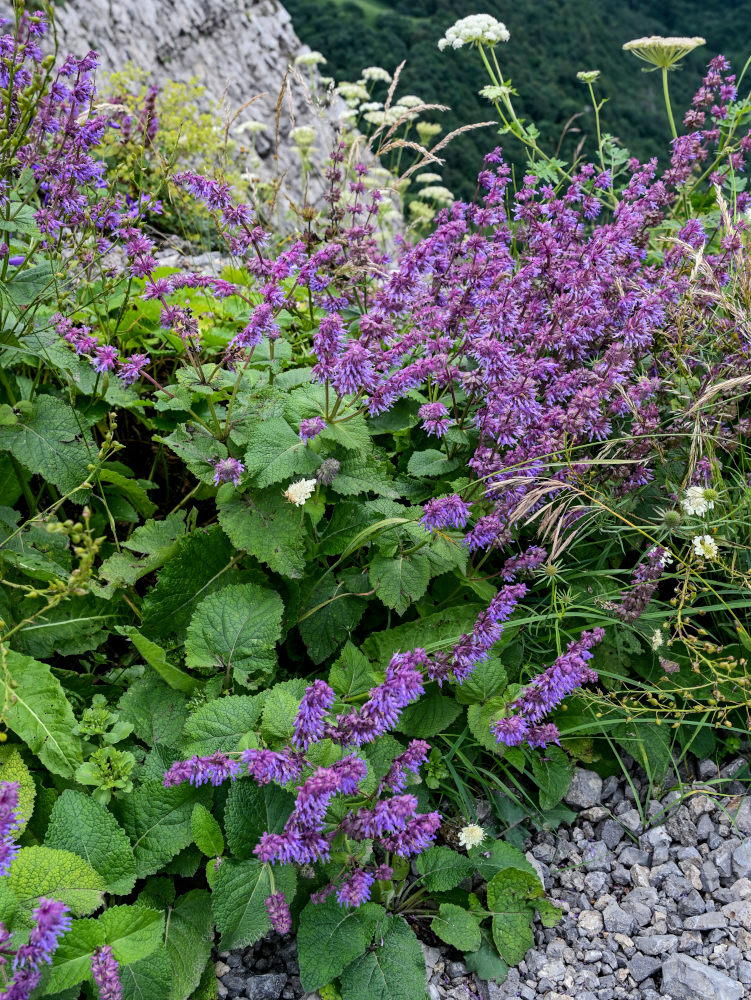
x,y
550,41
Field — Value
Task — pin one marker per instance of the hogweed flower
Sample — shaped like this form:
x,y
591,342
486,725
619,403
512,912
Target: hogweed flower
x,y
376,74
300,491
661,52
588,76
471,836
477,29
705,546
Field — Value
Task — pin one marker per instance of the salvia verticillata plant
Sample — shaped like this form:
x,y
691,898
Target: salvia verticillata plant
x,y
305,555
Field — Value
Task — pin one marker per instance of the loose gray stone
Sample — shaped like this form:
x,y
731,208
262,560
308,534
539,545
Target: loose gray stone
x,y
631,820
742,817
704,828
265,987
642,966
683,978
656,944
740,911
235,983
705,922
742,859
744,972
611,833
633,856
708,769
596,857
585,789
691,904
590,922
710,877
616,919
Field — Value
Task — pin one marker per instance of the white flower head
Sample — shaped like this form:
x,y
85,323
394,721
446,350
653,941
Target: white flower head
x,y
297,493
410,101
471,836
657,639
426,130
376,74
310,59
495,93
698,500
303,136
252,126
663,53
477,29
437,193
428,178
587,75
705,546
353,92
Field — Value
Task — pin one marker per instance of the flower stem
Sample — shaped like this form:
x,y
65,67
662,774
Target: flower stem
x,y
666,92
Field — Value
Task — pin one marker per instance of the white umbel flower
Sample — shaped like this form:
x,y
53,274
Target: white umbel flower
x,y
705,546
437,192
471,836
376,74
310,59
297,493
353,92
663,52
303,136
477,29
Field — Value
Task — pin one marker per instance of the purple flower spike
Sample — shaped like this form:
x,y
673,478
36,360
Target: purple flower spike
x,y
215,770
355,890
445,512
278,911
228,470
105,357
105,972
8,824
313,710
131,368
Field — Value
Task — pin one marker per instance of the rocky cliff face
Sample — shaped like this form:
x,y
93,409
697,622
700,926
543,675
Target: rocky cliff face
x,y
237,48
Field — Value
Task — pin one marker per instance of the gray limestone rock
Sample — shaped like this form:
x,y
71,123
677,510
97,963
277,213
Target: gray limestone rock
x,y
265,987
742,859
642,966
683,978
585,789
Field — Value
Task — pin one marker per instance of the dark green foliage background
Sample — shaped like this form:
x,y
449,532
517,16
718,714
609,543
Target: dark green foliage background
x,y
550,41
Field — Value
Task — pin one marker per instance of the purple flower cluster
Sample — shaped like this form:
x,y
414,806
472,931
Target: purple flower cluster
x,y
645,577
568,672
51,920
445,512
106,975
278,911
228,470
8,824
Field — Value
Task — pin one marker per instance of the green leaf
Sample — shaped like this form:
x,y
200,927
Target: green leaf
x,y
363,473
132,489
276,453
29,284
331,936
442,869
158,822
351,434
479,717
431,714
252,810
157,538
40,714
201,566
430,463
280,709
267,526
552,772
489,859
42,871
52,441
487,680
510,893
71,961
351,674
156,712
486,963
12,768
400,581
237,628
156,658
454,925
190,935
207,834
238,899
197,448
394,970
331,613
75,626
133,932
221,724
81,825
149,979
437,631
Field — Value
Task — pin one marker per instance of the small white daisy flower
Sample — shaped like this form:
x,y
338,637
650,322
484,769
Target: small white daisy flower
x,y
696,500
471,836
705,546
